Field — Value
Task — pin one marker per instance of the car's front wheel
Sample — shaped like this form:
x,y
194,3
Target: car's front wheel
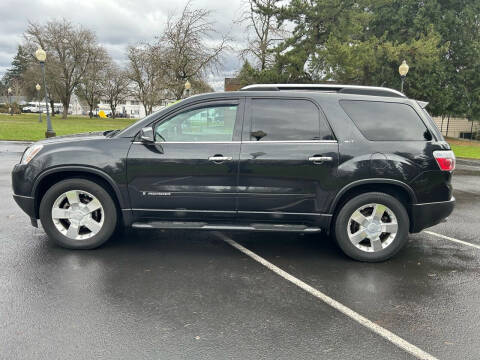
x,y
78,214
372,227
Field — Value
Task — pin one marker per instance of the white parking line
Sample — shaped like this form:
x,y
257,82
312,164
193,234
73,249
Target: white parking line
x,y
452,239
388,335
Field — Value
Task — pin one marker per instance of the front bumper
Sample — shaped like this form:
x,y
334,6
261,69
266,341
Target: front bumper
x,y
26,203
22,182
428,214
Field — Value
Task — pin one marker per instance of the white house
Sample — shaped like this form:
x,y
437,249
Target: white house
x,y
131,108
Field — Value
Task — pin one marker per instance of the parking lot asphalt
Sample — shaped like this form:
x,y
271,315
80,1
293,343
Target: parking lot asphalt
x,y
189,294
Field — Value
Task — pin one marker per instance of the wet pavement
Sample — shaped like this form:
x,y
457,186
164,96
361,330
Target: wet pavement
x,y
188,294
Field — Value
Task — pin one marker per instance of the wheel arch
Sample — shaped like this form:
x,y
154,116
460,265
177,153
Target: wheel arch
x,y
398,189
52,176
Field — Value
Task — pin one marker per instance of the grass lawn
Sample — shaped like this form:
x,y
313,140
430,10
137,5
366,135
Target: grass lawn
x,y
27,127
465,148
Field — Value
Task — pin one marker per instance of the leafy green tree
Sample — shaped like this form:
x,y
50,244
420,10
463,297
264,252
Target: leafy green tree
x,y
375,62
463,32
450,85
14,76
364,42
19,66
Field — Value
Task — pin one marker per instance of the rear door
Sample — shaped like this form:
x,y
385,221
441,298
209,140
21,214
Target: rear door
x,y
191,170
288,161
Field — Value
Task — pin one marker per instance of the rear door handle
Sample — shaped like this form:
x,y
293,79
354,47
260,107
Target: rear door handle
x,y
219,158
318,159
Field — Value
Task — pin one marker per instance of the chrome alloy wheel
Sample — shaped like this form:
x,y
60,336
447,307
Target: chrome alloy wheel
x,y
372,227
78,214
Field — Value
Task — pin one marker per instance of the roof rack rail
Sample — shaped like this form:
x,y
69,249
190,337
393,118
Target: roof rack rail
x,y
344,89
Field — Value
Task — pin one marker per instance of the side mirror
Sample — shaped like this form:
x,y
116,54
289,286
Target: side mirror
x,y
146,135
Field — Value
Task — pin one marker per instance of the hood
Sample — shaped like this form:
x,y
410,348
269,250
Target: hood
x,y
74,137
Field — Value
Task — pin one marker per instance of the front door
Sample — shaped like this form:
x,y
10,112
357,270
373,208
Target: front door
x,y
190,173
288,162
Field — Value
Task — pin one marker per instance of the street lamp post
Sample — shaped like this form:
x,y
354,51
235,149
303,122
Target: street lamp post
x,y
38,87
41,56
10,109
403,70
188,86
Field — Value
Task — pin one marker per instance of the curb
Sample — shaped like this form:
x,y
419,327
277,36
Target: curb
x,y
15,142
470,162
13,147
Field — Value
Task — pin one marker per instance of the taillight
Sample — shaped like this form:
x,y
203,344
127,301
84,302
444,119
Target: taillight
x,y
445,159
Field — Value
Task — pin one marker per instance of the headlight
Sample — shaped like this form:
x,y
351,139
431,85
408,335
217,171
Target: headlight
x,y
30,153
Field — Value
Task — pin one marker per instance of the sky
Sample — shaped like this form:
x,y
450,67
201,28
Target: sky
x,y
119,23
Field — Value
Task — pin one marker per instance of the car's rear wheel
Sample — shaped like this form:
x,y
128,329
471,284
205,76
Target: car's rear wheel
x,y
372,227
78,214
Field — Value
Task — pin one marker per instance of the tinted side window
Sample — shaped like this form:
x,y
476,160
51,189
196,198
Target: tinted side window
x,y
284,119
380,121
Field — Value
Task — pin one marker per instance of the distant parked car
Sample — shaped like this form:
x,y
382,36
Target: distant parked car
x,y
31,108
118,115
365,164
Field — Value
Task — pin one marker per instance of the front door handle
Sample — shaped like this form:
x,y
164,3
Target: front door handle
x,y
219,158
320,159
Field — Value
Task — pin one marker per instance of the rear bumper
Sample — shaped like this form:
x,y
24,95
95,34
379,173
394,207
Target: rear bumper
x,y
429,214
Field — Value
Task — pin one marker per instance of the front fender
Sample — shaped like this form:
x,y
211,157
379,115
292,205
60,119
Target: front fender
x,y
78,169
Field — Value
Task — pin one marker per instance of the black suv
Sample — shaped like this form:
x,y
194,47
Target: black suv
x,y
365,164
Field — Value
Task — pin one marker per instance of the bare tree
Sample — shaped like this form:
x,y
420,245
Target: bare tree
x,y
69,52
32,76
147,75
200,86
115,87
186,48
89,88
263,31
17,87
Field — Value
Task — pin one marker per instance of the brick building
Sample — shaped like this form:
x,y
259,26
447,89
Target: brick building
x,y
232,84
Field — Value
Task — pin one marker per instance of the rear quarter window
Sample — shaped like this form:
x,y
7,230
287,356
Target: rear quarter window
x,y
384,121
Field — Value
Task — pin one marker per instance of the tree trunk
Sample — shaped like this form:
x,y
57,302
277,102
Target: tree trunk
x,y
52,107
178,92
65,103
90,113
448,123
113,110
471,131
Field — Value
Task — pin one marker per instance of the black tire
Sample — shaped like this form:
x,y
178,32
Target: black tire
x,y
109,209
343,216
